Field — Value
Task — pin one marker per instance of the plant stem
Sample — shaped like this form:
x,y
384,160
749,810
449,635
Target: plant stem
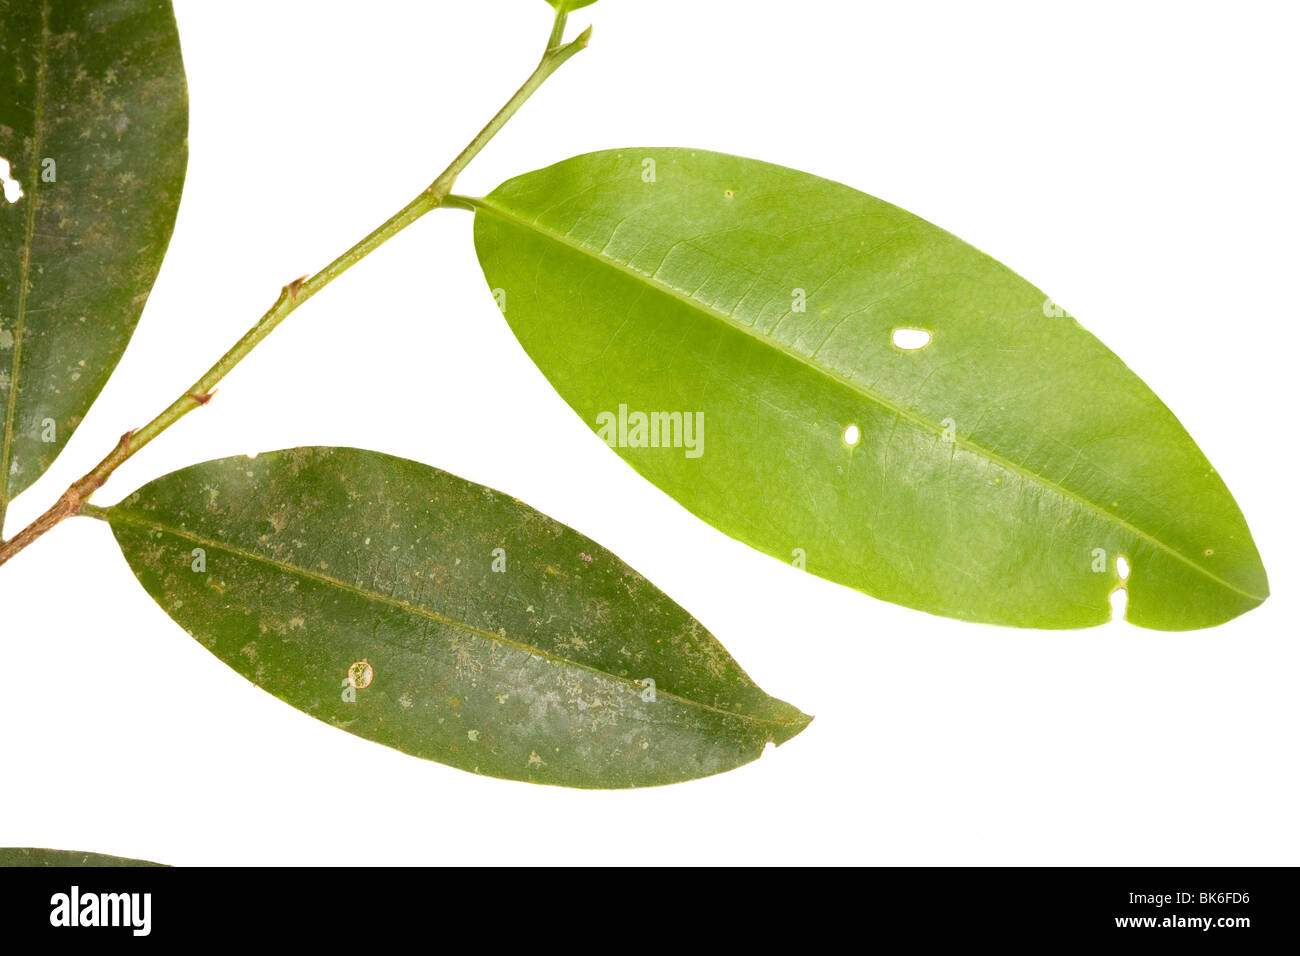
x,y
557,29
76,498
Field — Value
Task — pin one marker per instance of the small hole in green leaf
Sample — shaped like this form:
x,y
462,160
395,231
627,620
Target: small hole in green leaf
x,y
1121,567
852,435
911,339
1118,604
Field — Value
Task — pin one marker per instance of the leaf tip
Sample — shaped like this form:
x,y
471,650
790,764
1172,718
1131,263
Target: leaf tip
x,y
790,727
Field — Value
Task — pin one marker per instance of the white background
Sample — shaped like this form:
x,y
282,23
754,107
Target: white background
x,y
1136,160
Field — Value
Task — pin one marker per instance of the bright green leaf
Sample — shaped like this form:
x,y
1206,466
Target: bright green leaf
x,y
444,619
93,121
33,856
994,468
571,5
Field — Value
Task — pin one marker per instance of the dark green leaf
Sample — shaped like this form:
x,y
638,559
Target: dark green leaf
x,y
995,474
32,856
444,619
92,121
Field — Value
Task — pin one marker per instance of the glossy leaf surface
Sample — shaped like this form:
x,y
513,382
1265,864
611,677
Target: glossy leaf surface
x,y
993,465
442,618
93,117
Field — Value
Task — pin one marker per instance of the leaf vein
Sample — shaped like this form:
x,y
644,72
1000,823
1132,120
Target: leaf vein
x,y
15,361
428,613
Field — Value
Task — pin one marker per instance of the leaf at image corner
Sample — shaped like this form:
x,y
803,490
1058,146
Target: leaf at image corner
x,y
444,619
40,857
93,119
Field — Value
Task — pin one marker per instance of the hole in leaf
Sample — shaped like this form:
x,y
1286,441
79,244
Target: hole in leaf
x,y
1121,567
13,190
852,435
1118,604
911,339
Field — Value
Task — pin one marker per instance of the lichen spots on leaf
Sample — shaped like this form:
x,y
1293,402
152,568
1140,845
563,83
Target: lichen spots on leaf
x,y
531,675
361,675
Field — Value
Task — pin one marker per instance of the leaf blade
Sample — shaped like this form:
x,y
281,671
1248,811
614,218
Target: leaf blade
x,y
95,111
534,673
764,300
40,857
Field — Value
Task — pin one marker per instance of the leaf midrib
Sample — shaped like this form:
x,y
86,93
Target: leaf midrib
x,y
15,361
115,515
487,204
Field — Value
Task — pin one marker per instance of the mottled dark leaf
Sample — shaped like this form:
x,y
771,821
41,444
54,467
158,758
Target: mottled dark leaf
x,y
444,619
33,856
93,122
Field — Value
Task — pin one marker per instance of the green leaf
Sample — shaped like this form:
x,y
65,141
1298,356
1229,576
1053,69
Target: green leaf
x,y
93,121
995,474
570,5
442,618
33,856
